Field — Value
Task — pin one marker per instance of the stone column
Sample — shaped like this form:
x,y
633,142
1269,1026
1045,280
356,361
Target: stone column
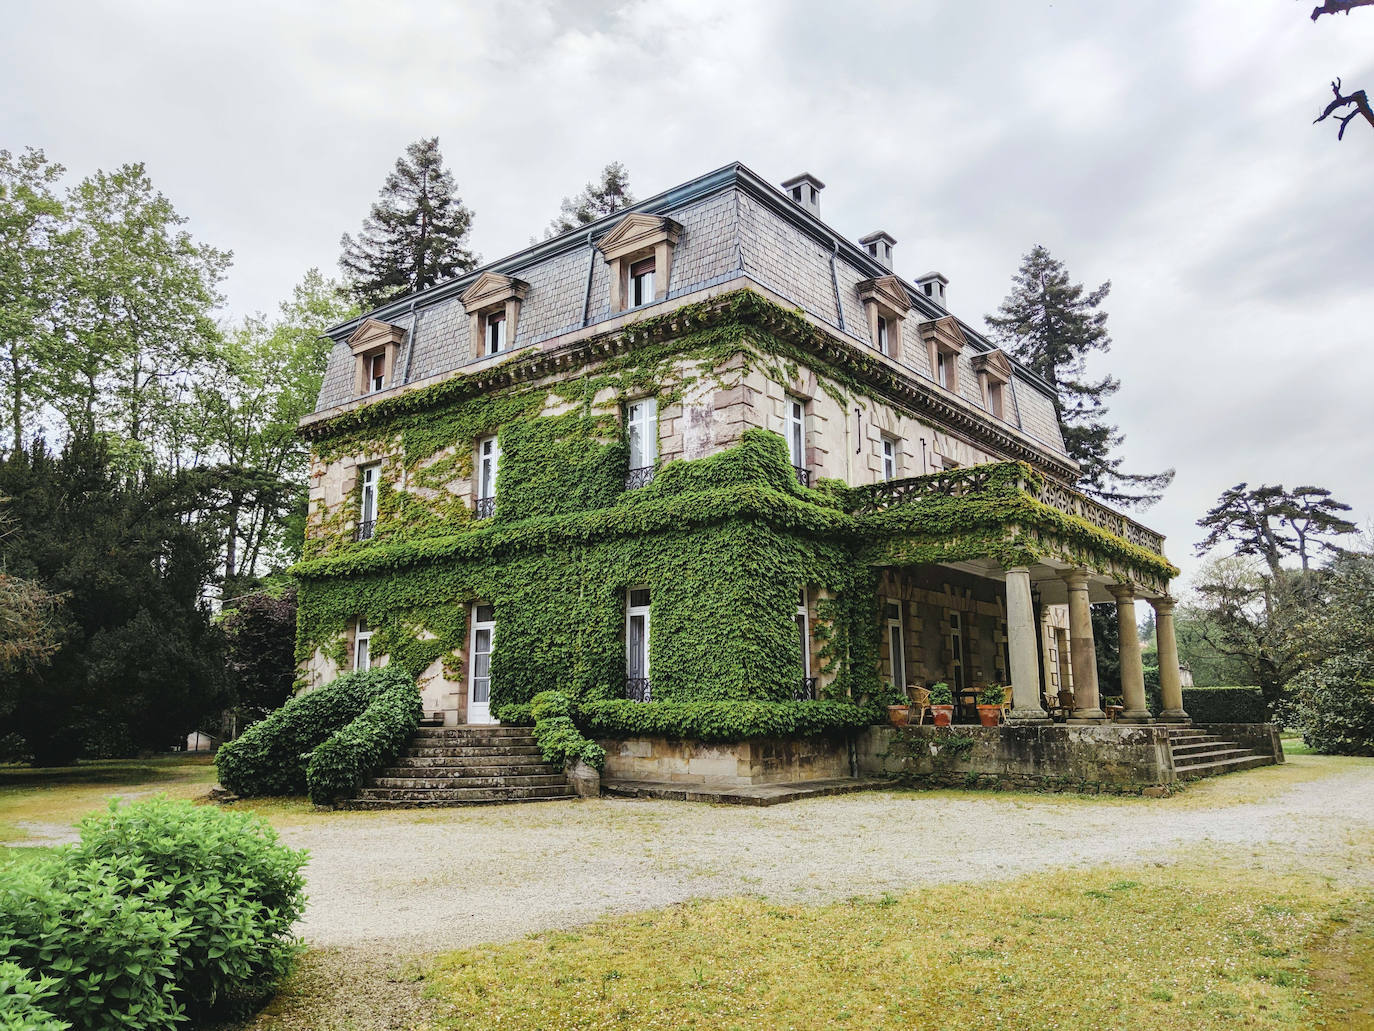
x,y
1132,668
1087,707
1021,648
1170,683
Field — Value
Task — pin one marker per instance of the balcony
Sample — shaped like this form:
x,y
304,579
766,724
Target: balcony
x,y
805,691
485,508
641,477
364,530
803,475
638,689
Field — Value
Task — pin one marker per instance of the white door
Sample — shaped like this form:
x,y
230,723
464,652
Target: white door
x,y
479,678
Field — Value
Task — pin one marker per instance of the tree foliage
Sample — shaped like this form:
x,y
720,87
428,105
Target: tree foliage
x,y
1050,324
1273,523
416,233
260,638
1344,106
604,197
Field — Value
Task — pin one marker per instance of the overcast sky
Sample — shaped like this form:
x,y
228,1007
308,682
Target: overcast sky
x,y
1164,146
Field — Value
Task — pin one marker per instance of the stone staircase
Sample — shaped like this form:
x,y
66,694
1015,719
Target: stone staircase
x,y
472,765
1200,754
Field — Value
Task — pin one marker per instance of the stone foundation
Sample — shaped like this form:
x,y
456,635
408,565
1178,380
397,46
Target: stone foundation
x,y
1091,758
725,764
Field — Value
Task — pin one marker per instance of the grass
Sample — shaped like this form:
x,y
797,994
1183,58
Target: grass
x,y
1293,744
1158,948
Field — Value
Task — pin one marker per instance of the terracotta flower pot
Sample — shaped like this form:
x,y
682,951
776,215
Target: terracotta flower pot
x,y
989,715
898,715
943,714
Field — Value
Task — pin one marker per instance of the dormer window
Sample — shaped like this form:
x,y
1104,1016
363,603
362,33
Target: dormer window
x,y
994,379
493,307
375,345
886,303
639,251
944,342
641,282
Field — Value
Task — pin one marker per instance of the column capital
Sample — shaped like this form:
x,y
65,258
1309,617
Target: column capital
x,y
1122,592
1163,604
1077,579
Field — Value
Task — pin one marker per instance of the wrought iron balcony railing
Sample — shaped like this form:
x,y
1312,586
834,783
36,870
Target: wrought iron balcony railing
x,y
641,477
364,530
803,475
638,689
974,479
805,691
485,508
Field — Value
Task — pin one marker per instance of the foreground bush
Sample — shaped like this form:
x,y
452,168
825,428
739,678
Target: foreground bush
x,y
1334,705
1225,705
164,910
340,764
272,755
557,736
20,997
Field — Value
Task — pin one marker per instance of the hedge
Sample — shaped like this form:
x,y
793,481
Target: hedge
x,y
721,721
272,755
163,912
1334,705
1225,705
341,763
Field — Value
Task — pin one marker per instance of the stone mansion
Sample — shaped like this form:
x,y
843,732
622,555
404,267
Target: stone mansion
x,y
707,449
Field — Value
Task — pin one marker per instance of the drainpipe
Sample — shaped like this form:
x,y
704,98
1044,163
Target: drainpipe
x,y
591,267
835,282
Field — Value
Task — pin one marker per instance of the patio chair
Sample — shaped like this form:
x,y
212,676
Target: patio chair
x,y
1006,703
920,703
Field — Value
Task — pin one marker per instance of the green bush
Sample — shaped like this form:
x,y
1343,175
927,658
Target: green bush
x,y
340,764
163,911
1225,705
1334,705
20,995
272,755
558,738
721,721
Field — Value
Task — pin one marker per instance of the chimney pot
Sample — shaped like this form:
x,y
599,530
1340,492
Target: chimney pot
x,y
805,190
932,286
879,245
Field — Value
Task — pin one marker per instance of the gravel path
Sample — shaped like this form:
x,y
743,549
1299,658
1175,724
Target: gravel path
x,y
427,880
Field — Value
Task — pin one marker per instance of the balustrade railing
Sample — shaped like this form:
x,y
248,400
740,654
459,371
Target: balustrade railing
x,y
641,477
638,689
805,691
364,530
803,475
485,508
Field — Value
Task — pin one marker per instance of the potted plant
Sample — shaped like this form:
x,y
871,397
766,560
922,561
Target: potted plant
x,y
942,704
990,705
898,713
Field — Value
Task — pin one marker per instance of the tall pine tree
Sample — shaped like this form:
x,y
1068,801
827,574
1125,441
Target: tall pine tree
x,y
416,234
1051,325
595,201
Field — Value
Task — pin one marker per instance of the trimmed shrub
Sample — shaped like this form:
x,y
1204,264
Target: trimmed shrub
x,y
1334,705
340,764
1225,705
272,755
722,721
20,995
558,738
224,874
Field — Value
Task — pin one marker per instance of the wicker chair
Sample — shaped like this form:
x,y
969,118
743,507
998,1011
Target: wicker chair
x,y
920,703
1006,703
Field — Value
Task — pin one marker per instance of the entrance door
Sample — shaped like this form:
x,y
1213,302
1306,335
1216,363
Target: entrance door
x,y
479,673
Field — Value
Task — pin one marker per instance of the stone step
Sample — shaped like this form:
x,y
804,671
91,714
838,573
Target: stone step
x,y
464,772
427,762
1215,755
1225,766
1188,747
532,780
489,794
453,733
429,803
423,751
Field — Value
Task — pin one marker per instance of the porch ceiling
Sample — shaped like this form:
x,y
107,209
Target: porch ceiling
x,y
1047,580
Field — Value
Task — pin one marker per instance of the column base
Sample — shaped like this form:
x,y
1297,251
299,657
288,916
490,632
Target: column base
x,y
1028,716
1087,716
1174,716
1135,717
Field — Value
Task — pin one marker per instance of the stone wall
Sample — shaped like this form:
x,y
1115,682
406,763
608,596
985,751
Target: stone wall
x,y
725,764
1108,757
1263,737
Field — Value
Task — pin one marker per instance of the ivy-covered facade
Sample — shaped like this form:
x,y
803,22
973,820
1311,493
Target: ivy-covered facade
x,y
701,452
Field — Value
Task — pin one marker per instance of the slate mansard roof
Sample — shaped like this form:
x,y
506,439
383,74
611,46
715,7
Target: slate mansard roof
x,y
736,226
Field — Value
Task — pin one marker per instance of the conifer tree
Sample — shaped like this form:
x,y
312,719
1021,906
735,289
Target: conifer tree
x,y
416,234
1051,325
595,201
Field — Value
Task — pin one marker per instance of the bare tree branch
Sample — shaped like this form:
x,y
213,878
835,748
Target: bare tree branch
x,y
1359,98
1339,7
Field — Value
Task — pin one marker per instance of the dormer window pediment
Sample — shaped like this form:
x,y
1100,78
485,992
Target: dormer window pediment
x,y
375,345
493,307
886,303
994,373
640,252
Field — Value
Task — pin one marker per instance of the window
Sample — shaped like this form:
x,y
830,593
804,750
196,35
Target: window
x,y
796,437
362,646
488,458
995,400
946,377
882,335
896,645
376,372
956,650
889,458
496,332
374,346
367,515
641,420
641,282
637,645
479,677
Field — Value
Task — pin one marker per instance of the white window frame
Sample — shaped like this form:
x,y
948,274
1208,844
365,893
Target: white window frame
x,y
641,420
489,625
889,455
494,338
376,372
803,620
362,645
943,373
883,330
996,401
896,643
631,611
367,510
641,287
488,454
796,431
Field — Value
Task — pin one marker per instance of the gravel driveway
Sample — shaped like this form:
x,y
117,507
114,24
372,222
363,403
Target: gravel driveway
x,y
427,880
